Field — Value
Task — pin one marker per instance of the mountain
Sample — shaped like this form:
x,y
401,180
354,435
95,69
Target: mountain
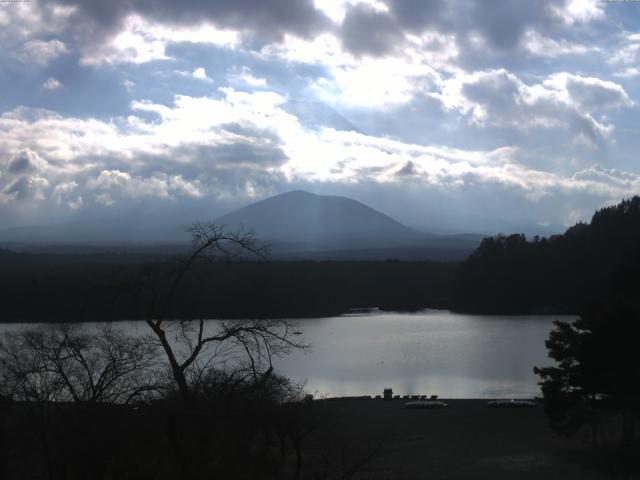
x,y
297,225
316,115
302,217
303,225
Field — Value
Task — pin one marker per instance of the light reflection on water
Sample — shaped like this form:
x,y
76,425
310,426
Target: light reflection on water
x,y
430,352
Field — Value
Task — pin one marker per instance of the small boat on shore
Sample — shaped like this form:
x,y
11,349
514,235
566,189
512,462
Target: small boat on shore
x,y
363,311
425,404
511,403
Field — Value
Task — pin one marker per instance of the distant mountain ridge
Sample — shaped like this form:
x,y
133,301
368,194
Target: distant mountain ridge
x,y
316,115
302,225
109,231
297,225
300,216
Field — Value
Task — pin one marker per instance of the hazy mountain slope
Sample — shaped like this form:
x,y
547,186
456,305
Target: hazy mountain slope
x,y
297,225
302,217
112,231
316,115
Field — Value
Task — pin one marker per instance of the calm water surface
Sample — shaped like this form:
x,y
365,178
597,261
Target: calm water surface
x,y
430,352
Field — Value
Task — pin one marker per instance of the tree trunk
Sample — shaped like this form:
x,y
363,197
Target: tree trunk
x,y
627,426
594,422
296,445
176,370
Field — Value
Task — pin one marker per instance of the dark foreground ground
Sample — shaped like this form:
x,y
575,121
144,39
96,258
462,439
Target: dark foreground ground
x,y
318,440
384,440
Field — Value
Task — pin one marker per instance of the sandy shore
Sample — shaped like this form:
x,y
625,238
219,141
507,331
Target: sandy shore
x,y
385,440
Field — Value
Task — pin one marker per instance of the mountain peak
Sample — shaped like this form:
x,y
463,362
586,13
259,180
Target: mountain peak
x,y
296,193
301,216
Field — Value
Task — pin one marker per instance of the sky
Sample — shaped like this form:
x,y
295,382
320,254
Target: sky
x,y
473,115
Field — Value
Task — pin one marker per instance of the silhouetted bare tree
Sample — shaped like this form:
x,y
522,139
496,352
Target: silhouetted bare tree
x,y
62,362
193,346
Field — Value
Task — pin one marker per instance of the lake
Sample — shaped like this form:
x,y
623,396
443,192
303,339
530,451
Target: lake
x,y
432,352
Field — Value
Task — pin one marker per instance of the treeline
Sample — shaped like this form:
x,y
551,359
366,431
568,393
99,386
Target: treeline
x,y
48,287
598,262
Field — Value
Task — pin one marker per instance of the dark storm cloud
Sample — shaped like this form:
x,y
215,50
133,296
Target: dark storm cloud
x,y
266,18
208,161
496,93
21,163
371,32
501,24
253,150
417,14
408,170
21,188
247,153
20,179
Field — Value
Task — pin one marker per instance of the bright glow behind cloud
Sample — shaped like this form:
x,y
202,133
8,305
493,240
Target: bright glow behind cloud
x,y
455,102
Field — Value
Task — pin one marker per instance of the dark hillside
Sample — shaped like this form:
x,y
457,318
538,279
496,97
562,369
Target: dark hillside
x,y
594,262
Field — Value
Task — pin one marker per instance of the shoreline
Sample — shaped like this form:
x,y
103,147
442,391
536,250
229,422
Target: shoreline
x,y
373,311
464,440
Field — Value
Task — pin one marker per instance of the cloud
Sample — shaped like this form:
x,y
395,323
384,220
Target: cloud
x,y
52,84
194,148
607,181
22,179
139,32
500,98
244,76
141,40
366,30
32,20
630,72
503,25
40,52
625,56
390,53
580,11
589,93
110,183
418,14
537,45
24,162
128,85
199,74
368,81
107,33
244,145
63,194
133,43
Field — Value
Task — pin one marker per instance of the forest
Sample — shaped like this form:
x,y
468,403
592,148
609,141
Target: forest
x,y
49,287
594,262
